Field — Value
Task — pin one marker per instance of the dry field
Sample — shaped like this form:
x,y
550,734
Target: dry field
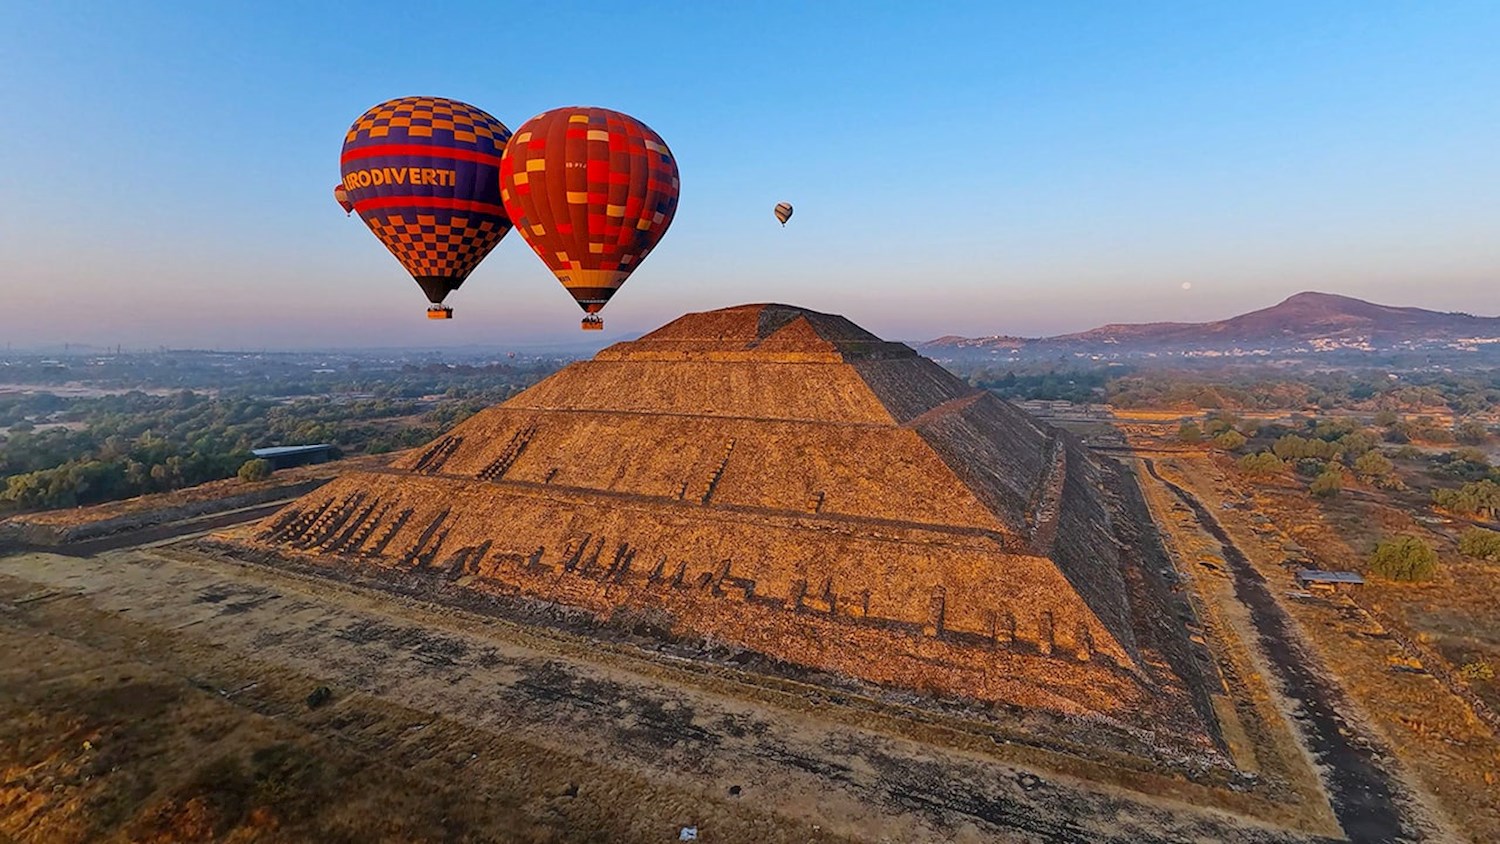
x,y
161,694
1391,648
51,527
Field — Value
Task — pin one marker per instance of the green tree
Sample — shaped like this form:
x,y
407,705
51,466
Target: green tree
x,y
1189,432
1481,498
1230,440
1374,466
1293,447
1310,467
1328,484
1386,418
1480,544
1471,432
1405,558
1261,465
255,469
1466,464
1355,445
1219,422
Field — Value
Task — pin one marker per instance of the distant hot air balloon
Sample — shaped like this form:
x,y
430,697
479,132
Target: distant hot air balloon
x,y
783,212
592,191
423,174
341,196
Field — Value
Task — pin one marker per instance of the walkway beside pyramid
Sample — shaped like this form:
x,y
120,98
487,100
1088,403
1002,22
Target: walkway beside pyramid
x,y
777,479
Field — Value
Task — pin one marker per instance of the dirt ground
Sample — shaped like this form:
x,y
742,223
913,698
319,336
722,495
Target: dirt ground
x,y
157,695
154,688
1444,757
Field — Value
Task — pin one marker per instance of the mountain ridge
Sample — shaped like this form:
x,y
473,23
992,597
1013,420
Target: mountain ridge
x,y
1322,319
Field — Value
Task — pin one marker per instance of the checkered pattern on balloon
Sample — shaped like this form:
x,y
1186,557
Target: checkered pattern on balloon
x,y
423,174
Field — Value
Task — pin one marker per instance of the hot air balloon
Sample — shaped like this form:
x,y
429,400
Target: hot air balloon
x,y
341,196
592,191
783,212
423,174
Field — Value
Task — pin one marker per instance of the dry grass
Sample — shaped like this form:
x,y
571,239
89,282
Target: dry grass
x,y
1454,754
96,747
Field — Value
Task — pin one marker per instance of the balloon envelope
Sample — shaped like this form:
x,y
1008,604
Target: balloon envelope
x,y
341,196
783,212
592,191
423,174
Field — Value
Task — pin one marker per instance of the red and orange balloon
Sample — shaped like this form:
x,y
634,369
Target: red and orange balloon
x,y
592,191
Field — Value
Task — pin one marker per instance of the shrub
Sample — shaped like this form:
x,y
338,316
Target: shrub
x,y
1190,433
1219,422
1434,434
1356,444
1471,432
1230,440
1328,484
1293,447
1481,498
1465,464
1310,467
1263,464
1480,544
1405,558
256,469
1373,466
1476,670
1470,454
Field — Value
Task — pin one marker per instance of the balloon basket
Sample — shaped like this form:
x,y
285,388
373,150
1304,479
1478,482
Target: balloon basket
x,y
592,323
440,312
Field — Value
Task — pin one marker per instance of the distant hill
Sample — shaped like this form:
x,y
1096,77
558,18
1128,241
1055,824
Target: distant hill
x,y
1307,322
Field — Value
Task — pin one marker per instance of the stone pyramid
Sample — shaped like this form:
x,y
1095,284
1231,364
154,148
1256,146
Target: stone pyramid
x,y
778,479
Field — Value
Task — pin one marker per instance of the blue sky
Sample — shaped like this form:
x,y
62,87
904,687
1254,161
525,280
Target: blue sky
x,y
956,168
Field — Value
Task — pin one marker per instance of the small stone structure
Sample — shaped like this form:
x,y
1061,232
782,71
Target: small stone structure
x,y
1314,580
287,456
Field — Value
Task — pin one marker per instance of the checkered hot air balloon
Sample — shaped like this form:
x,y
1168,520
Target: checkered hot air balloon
x,y
592,191
423,174
341,196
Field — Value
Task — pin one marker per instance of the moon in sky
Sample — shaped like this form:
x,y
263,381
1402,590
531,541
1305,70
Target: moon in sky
x,y
1187,285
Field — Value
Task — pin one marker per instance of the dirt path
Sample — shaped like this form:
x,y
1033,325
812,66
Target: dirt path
x,y
1367,798
530,728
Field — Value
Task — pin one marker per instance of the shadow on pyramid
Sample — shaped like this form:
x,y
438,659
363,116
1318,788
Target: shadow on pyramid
x,y
778,480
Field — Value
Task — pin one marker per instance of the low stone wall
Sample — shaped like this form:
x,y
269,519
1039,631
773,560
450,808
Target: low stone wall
x,y
20,531
1432,661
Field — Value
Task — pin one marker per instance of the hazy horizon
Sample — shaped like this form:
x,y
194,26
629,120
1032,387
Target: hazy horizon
x,y
974,171
570,344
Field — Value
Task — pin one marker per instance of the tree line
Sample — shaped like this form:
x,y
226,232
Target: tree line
x,y
68,451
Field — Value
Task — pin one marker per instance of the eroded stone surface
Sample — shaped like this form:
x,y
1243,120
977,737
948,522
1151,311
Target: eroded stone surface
x,y
782,480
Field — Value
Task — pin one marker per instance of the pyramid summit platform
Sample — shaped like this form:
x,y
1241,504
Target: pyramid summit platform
x,y
779,480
